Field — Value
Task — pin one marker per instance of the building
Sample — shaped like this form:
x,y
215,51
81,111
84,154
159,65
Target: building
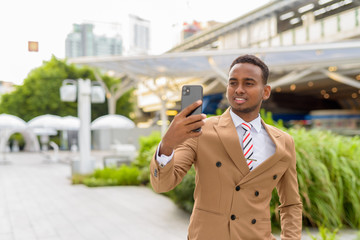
x,y
84,42
294,23
311,46
190,29
129,38
139,36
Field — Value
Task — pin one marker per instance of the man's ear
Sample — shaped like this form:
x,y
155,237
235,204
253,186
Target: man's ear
x,y
267,92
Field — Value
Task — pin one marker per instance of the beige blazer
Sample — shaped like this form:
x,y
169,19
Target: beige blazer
x,y
230,201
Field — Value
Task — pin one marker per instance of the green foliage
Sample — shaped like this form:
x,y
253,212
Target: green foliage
x,y
148,145
325,234
19,138
328,168
124,175
40,93
268,119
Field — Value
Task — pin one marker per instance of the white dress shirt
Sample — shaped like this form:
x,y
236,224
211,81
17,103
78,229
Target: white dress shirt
x,y
263,145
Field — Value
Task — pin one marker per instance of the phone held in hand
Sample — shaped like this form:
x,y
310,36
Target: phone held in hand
x,y
189,95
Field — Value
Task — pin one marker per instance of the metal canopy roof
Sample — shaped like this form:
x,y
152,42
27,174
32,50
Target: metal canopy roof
x,y
206,64
330,65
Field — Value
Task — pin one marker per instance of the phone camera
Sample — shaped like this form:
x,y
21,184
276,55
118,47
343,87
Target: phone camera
x,y
186,91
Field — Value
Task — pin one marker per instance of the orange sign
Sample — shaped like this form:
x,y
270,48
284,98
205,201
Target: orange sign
x,y
33,46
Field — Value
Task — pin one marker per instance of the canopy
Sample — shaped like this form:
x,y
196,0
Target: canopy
x,y
46,121
112,121
70,123
216,63
8,121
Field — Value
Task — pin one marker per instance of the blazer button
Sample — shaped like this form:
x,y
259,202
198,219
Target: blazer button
x,y
256,193
275,176
218,164
253,221
237,188
233,217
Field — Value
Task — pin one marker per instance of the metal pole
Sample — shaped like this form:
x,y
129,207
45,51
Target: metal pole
x,y
163,116
86,164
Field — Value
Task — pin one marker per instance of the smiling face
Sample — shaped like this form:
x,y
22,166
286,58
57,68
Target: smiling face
x,y
246,90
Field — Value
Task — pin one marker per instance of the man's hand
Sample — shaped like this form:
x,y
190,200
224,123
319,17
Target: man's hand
x,y
181,129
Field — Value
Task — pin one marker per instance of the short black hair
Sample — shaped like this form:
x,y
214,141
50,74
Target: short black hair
x,y
255,61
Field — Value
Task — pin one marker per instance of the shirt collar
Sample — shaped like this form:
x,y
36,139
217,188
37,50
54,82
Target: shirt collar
x,y
256,123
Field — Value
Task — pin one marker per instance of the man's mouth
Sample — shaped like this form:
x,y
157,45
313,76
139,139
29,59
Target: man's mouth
x,y
239,100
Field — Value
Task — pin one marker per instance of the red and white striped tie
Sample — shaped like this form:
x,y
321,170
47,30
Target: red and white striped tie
x,y
248,147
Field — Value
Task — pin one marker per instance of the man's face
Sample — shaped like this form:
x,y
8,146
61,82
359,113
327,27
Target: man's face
x,y
246,90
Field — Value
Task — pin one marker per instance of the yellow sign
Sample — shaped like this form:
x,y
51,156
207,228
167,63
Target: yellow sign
x,y
171,112
33,46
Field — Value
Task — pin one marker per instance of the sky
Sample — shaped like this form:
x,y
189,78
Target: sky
x,y
49,21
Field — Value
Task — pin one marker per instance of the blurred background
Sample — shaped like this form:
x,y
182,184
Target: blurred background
x,y
138,54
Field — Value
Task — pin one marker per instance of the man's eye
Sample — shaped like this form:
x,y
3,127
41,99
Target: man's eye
x,y
232,83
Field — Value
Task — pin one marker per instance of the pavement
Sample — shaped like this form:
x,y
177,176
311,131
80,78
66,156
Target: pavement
x,y
38,202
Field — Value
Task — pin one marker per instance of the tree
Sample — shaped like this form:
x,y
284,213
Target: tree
x,y
40,93
115,89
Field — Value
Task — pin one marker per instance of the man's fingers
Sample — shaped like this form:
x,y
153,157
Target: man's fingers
x,y
194,125
194,118
189,109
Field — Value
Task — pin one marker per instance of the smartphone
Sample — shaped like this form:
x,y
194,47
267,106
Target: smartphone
x,y
189,95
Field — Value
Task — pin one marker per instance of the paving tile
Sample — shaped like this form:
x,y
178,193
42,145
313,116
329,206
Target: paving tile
x,y
6,236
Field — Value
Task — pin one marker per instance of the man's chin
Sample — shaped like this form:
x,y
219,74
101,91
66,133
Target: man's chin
x,y
238,109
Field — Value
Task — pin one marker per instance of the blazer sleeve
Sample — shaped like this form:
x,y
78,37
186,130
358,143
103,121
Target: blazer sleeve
x,y
291,206
164,179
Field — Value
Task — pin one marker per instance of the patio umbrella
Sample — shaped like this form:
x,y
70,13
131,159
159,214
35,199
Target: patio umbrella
x,y
112,121
8,121
45,131
46,121
70,123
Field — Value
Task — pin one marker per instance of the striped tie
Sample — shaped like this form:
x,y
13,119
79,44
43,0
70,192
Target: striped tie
x,y
248,146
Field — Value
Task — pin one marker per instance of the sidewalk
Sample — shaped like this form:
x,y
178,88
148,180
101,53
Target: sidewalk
x,y
37,202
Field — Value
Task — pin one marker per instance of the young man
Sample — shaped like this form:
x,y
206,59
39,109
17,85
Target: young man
x,y
238,160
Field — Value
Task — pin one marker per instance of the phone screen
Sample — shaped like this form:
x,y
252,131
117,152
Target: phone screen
x,y
190,94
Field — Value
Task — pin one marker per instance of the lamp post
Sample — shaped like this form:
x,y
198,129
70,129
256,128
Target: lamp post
x,y
87,92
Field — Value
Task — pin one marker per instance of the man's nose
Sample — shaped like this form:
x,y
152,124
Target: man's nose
x,y
239,89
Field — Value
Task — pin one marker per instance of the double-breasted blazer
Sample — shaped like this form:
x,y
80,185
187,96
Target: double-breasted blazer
x,y
230,201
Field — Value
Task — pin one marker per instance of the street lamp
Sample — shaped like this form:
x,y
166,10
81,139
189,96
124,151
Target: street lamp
x,y
86,92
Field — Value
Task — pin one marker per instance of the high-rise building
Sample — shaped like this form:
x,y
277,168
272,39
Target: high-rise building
x,y
83,42
139,35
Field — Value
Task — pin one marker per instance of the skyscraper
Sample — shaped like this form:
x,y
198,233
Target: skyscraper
x,y
83,42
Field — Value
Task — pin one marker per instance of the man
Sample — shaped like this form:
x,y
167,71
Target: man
x,y
237,166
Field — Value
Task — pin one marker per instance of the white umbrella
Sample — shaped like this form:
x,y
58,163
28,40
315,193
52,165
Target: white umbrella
x,y
70,123
45,131
8,121
46,121
112,121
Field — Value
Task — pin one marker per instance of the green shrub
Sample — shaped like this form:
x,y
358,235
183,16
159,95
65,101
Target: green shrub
x,y
325,234
148,145
124,175
328,168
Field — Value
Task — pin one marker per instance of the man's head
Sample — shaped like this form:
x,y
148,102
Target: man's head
x,y
255,61
247,86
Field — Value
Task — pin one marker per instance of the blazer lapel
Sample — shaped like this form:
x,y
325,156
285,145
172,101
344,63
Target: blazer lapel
x,y
229,138
279,142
